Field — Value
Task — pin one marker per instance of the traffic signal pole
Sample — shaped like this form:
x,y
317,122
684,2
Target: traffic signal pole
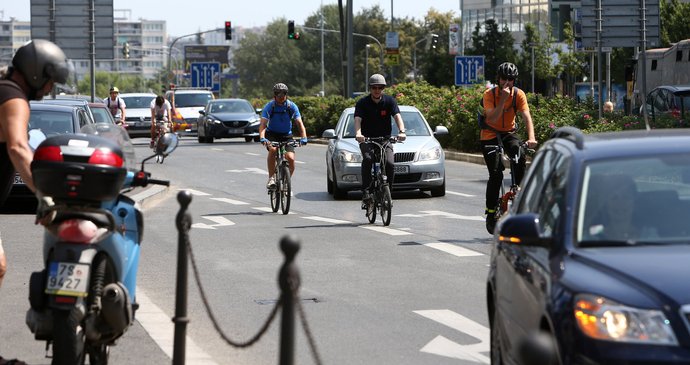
x,y
185,36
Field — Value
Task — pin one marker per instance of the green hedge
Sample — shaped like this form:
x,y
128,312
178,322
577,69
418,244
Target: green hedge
x,y
457,107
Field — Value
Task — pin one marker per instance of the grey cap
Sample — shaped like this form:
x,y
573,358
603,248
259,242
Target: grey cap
x,y
377,79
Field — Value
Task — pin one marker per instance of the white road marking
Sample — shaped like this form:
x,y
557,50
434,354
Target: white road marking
x,y
196,192
252,154
461,194
220,222
216,149
443,347
438,213
300,162
253,170
452,249
388,231
269,210
327,220
230,201
161,329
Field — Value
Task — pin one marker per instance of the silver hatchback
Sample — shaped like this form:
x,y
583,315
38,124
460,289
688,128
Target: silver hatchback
x,y
419,161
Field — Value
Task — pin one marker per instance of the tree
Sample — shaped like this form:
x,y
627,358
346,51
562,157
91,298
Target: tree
x,y
571,63
674,21
496,46
436,65
543,49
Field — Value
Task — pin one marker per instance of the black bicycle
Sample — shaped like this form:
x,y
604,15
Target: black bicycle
x,y
281,193
161,128
379,188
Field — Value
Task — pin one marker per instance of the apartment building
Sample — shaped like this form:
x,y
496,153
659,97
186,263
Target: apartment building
x,y
13,34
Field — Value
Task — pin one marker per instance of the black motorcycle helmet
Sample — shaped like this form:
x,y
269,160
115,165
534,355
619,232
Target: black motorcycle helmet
x,y
507,70
40,61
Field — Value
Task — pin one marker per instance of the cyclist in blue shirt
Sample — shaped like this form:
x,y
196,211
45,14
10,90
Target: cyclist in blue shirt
x,y
277,117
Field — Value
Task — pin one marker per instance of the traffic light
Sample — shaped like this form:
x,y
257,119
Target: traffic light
x,y
125,50
434,40
228,31
291,30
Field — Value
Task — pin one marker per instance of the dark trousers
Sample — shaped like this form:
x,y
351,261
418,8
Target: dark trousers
x,y
369,156
511,145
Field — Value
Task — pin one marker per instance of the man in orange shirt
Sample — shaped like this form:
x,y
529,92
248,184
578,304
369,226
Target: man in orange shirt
x,y
501,105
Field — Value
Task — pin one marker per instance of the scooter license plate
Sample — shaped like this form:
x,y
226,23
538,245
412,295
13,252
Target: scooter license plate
x,y
68,279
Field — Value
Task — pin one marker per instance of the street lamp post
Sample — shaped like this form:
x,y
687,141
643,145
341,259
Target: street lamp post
x,y
414,58
532,46
366,69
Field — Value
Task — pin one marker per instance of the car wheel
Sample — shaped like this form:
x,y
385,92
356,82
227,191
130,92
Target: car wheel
x,y
439,191
209,139
329,185
248,139
496,358
201,139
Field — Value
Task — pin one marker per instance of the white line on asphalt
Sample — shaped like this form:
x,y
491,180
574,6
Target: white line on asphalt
x,y
161,329
430,213
196,192
219,220
444,347
327,220
269,210
388,231
461,194
217,149
253,170
300,162
252,154
230,201
452,249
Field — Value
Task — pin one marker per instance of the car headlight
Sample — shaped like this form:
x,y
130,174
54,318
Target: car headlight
x,y
214,120
431,154
604,319
347,156
254,123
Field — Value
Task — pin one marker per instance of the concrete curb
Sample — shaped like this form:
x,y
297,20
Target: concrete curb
x,y
149,195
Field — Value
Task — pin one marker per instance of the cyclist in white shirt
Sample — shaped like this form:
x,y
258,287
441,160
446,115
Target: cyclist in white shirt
x,y
160,111
116,105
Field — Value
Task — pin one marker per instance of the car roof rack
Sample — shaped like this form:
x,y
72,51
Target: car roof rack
x,y
570,133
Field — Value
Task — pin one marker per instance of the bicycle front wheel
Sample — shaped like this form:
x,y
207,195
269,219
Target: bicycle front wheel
x,y
386,205
274,194
285,190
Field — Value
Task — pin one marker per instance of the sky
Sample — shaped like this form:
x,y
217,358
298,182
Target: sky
x,y
190,16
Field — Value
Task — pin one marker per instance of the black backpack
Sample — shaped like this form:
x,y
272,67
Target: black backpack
x,y
481,117
287,107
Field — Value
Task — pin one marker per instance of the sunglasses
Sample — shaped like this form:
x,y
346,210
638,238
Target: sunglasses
x,y
377,87
280,94
508,78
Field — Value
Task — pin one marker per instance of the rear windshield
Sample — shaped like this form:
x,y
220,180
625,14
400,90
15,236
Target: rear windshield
x,y
189,100
414,125
101,115
51,122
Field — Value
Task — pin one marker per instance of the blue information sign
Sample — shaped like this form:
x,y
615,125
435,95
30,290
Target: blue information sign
x,y
469,70
206,74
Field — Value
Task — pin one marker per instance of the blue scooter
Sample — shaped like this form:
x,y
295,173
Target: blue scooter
x,y
84,299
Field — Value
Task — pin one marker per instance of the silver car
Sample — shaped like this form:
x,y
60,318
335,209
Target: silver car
x,y
419,161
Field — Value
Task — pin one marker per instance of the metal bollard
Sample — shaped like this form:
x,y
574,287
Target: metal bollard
x,y
184,223
289,281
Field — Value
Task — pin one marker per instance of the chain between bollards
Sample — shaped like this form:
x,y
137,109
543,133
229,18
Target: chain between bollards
x,y
184,223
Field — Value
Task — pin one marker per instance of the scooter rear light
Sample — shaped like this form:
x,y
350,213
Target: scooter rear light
x,y
48,153
77,231
105,156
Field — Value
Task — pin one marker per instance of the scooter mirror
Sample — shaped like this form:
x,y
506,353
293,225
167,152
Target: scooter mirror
x,y
169,141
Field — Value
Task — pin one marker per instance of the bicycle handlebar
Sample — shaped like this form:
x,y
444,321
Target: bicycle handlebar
x,y
291,142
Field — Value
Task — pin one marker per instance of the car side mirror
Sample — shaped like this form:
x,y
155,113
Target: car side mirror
x,y
328,133
202,112
522,229
258,110
440,130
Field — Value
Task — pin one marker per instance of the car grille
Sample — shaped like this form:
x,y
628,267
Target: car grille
x,y
404,157
235,124
137,119
407,178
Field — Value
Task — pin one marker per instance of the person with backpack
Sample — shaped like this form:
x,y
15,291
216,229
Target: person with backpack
x,y
160,111
116,105
277,117
501,104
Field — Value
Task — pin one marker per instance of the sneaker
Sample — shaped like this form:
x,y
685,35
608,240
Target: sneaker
x,y
366,199
490,220
271,184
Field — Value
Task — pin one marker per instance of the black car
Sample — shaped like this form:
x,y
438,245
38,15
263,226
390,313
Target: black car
x,y
595,252
50,119
228,118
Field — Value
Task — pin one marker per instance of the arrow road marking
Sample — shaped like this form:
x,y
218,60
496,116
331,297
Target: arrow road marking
x,y
452,249
229,201
432,213
444,347
220,222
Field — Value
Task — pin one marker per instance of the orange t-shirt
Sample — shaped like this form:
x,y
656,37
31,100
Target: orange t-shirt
x,y
505,120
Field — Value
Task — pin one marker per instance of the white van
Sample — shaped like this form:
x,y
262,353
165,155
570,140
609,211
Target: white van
x,y
186,103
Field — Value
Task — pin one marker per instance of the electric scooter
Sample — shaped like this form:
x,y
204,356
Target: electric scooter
x,y
85,297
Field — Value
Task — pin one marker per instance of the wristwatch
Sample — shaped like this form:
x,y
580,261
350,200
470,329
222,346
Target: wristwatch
x,y
402,131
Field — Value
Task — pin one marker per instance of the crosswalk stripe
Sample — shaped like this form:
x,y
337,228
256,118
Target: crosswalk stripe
x,y
452,249
388,231
230,201
327,220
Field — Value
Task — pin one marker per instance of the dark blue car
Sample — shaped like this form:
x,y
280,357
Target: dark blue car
x,y
595,252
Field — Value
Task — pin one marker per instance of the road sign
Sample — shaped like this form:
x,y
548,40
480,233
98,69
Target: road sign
x,y
469,70
206,74
620,23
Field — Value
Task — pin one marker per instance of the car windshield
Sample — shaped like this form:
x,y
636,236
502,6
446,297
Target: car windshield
x,y
51,122
635,201
138,102
231,107
189,100
414,125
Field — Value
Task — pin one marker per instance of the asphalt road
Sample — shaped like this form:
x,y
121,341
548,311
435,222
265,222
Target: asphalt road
x,y
410,293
